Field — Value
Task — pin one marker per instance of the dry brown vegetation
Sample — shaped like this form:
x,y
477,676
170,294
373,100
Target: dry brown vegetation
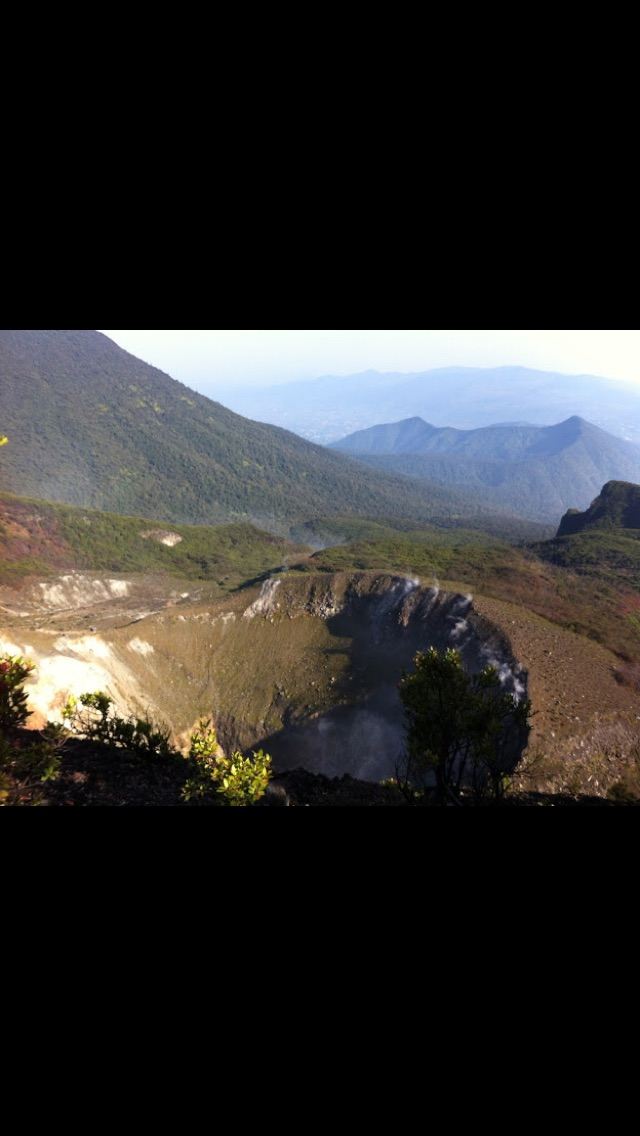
x,y
604,764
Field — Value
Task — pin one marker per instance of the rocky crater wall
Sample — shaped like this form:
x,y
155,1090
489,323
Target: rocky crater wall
x,y
306,666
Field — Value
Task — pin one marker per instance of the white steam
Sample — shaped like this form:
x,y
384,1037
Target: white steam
x,y
509,678
265,602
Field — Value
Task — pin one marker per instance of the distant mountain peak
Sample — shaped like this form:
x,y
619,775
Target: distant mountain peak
x,y
537,470
332,407
534,438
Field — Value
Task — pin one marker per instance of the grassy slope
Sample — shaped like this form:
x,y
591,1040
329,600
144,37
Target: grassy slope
x,y
38,538
614,555
331,531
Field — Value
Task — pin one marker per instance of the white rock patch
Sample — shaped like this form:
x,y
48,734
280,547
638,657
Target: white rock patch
x,y
265,603
118,588
74,666
225,619
81,591
140,647
57,678
87,645
169,539
9,648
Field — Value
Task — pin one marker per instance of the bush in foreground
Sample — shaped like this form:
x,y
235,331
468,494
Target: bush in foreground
x,y
24,766
214,778
14,671
236,780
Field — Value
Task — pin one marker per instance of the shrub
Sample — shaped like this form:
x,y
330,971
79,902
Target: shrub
x,y
235,781
24,764
244,780
14,671
214,778
24,767
203,753
92,716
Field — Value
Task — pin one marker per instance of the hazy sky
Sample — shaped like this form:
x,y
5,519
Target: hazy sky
x,y
212,360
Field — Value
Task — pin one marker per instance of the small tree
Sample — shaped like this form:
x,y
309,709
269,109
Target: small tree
x,y
24,765
464,731
14,671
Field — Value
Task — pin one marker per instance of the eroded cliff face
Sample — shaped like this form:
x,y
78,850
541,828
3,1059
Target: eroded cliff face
x,y
376,624
305,666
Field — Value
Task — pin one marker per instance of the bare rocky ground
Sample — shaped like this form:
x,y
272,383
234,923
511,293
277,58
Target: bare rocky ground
x,y
586,725
80,601
97,776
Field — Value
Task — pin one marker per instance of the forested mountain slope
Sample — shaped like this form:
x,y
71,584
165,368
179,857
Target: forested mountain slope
x,y
91,425
538,472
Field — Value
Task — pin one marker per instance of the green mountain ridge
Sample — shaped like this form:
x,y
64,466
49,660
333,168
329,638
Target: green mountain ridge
x,y
92,426
537,472
38,538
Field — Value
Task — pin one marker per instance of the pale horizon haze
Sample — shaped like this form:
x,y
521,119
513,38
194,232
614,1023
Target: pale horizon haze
x,y
212,361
